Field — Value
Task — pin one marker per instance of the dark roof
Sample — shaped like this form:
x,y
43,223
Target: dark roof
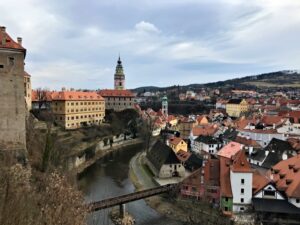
x,y
234,101
229,134
208,140
193,162
276,149
274,206
258,155
161,154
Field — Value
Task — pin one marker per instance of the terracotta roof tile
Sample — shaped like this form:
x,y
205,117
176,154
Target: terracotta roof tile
x,y
9,42
116,93
230,149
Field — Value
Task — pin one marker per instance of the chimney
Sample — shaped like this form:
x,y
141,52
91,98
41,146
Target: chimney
x,y
19,39
3,31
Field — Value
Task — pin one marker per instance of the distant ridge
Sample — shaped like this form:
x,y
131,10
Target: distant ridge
x,y
279,79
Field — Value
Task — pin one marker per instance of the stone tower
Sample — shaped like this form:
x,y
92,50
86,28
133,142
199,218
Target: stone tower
x,y
119,76
13,110
164,107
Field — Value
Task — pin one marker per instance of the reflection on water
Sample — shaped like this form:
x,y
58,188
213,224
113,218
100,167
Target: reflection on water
x,y
109,178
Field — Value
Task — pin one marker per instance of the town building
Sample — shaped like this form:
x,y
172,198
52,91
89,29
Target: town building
x,y
206,144
13,109
27,90
119,98
177,144
75,109
163,162
236,107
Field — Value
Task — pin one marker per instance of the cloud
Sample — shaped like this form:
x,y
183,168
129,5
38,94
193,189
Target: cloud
x,y
146,27
73,44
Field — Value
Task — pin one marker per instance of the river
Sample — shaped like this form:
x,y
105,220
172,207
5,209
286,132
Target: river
x,y
109,178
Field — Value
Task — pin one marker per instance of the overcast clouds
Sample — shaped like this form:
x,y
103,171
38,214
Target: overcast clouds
x,y
76,43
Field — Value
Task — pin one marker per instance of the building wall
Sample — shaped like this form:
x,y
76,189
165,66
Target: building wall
x,y
235,110
261,194
181,146
75,114
119,103
226,203
237,186
12,112
262,138
167,170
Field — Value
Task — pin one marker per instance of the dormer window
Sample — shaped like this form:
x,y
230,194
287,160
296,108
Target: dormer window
x,y
11,61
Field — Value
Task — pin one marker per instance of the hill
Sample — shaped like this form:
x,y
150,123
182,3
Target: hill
x,y
276,80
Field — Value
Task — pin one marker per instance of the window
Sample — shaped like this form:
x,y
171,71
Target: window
x,y
11,61
1,66
226,209
226,199
242,200
242,208
242,181
242,191
297,200
269,193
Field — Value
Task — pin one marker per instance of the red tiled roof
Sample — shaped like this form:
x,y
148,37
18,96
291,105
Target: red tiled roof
x,y
240,163
259,181
225,184
116,93
247,142
205,130
9,43
175,140
67,95
270,120
183,155
287,178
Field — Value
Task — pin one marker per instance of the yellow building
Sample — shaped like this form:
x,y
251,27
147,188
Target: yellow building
x,y
27,90
177,144
235,107
74,109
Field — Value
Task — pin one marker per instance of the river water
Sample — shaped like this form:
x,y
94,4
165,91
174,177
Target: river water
x,y
109,178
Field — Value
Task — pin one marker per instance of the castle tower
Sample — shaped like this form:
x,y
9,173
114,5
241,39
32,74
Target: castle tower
x,y
119,76
13,110
164,107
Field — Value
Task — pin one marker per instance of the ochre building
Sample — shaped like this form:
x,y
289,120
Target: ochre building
x,y
75,109
236,107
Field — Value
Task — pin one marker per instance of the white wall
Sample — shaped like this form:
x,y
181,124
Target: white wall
x,y
167,170
260,194
262,138
236,186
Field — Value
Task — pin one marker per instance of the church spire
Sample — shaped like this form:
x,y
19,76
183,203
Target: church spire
x,y
119,76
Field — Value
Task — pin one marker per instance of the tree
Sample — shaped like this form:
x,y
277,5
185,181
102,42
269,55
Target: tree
x,y
41,95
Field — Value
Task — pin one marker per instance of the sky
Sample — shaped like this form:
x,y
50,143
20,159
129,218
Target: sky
x,y
75,44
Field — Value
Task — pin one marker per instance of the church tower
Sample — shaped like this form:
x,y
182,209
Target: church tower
x,y
119,76
165,106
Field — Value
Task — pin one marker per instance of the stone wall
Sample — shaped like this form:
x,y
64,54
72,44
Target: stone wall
x,y
12,110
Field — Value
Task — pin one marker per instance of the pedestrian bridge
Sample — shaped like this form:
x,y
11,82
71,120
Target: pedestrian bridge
x,y
122,199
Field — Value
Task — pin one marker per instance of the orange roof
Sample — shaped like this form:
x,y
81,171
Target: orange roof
x,y
67,95
287,177
200,118
116,93
205,130
175,140
225,184
259,181
240,163
247,142
230,149
183,155
9,42
270,120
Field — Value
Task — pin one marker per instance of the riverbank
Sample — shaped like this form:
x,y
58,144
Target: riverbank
x,y
100,154
187,211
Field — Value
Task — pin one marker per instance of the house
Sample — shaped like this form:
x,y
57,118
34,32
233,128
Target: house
x,y
276,151
203,184
236,107
185,125
208,144
230,149
204,130
279,194
262,136
177,143
163,162
190,161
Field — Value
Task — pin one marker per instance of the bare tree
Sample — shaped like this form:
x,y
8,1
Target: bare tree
x,y
41,97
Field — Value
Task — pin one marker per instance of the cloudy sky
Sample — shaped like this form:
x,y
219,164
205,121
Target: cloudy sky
x,y
74,43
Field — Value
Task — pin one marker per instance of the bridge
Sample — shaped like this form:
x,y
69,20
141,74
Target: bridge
x,y
121,200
